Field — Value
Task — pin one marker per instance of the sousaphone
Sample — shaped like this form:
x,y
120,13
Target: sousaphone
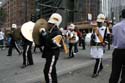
x,y
41,23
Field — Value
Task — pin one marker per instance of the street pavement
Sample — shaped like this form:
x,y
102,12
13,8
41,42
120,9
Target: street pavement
x,y
84,74
10,71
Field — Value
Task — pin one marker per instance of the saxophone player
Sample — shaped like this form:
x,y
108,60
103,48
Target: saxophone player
x,y
73,39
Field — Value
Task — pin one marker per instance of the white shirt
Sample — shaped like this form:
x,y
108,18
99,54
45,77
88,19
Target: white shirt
x,y
102,32
1,35
118,33
73,33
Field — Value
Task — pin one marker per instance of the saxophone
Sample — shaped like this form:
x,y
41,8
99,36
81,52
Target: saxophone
x,y
73,37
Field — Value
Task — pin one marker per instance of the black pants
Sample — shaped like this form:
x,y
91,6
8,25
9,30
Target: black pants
x,y
118,66
37,46
109,41
2,43
80,41
13,45
71,49
50,70
27,55
98,66
83,43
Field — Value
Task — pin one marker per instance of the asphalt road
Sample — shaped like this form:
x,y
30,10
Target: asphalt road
x,y
10,71
84,74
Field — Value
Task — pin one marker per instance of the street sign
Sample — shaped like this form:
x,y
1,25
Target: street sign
x,y
89,16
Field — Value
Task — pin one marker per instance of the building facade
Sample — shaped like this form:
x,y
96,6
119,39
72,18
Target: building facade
x,y
71,10
105,8
20,11
17,12
85,8
116,8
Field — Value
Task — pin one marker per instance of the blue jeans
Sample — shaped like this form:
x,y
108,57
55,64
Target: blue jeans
x,y
76,47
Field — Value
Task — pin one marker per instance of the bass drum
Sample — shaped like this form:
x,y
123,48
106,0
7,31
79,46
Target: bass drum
x,y
88,39
27,30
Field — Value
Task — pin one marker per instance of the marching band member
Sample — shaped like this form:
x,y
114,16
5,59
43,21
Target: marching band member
x,y
97,43
12,42
83,40
26,32
51,49
27,54
73,40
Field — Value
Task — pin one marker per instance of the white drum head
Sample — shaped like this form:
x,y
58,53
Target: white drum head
x,y
27,30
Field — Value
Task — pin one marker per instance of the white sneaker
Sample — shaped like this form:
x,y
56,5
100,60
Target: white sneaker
x,y
74,53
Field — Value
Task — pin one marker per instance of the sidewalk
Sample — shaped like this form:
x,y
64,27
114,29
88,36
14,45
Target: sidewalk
x,y
10,71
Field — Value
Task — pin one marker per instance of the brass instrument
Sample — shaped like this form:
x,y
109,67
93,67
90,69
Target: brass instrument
x,y
73,38
58,39
66,49
41,23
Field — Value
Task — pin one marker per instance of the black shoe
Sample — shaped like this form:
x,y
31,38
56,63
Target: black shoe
x,y
20,53
69,56
23,66
95,75
30,64
72,56
9,55
83,48
100,69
